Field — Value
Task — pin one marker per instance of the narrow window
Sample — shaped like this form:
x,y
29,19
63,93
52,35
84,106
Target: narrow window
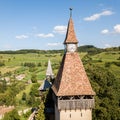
x,y
70,115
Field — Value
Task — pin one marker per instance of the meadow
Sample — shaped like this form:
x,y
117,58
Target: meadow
x,y
14,63
29,64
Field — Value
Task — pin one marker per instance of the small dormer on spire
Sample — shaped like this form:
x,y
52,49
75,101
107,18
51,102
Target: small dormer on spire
x,y
49,72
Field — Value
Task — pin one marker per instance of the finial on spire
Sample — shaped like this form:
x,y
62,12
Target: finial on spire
x,y
71,11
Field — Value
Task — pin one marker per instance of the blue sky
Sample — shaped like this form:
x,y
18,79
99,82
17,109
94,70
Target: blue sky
x,y
41,24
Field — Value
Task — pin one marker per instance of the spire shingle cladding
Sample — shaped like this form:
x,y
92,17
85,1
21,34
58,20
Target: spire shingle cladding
x,y
70,36
71,78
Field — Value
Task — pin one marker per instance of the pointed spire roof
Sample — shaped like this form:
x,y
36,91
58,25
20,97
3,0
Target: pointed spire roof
x,y
49,69
71,78
70,36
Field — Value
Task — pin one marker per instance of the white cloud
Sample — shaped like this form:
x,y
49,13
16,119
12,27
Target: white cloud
x,y
98,15
21,36
107,45
105,13
105,31
117,28
54,44
60,29
41,35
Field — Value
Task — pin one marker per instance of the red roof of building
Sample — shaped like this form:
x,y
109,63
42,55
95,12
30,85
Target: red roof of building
x,y
70,36
71,78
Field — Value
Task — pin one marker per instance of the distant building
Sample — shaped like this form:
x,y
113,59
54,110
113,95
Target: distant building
x,y
49,72
72,92
46,84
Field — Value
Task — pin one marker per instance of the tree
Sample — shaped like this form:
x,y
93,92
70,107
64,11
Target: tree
x,y
24,96
3,86
106,86
33,100
2,63
34,78
39,64
12,115
41,114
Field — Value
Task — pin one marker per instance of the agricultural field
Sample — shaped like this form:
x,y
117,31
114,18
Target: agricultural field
x,y
14,63
110,60
18,70
22,74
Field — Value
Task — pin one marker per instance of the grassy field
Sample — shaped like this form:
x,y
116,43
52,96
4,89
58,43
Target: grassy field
x,y
19,96
108,57
14,62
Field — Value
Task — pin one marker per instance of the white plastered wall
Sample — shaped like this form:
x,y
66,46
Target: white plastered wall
x,y
73,114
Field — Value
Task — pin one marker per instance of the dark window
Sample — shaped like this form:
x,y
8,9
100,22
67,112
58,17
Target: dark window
x,y
81,114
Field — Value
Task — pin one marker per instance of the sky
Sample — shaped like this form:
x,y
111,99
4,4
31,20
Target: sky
x,y
42,24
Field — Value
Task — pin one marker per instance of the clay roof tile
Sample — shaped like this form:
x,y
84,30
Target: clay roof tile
x,y
71,78
70,36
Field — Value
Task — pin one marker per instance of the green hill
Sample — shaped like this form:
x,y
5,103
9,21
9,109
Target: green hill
x,y
102,67
90,49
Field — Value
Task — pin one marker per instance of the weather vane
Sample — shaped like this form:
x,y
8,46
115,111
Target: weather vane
x,y
71,11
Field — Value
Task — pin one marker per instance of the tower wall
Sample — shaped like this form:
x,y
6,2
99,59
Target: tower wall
x,y
75,114
57,113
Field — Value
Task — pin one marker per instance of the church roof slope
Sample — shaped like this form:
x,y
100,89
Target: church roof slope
x,y
70,36
45,85
71,78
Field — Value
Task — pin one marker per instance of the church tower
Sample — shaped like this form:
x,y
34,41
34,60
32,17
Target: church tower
x,y
49,72
72,92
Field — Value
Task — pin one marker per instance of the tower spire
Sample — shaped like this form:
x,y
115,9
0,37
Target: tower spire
x,y
71,12
70,35
73,95
49,72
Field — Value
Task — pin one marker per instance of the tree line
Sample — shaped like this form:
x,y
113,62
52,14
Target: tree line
x,y
86,48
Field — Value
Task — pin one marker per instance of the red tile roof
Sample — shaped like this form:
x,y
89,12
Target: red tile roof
x,y
71,78
70,36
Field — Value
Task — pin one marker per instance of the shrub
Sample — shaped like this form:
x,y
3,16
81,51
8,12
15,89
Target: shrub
x,y
107,64
2,63
13,115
